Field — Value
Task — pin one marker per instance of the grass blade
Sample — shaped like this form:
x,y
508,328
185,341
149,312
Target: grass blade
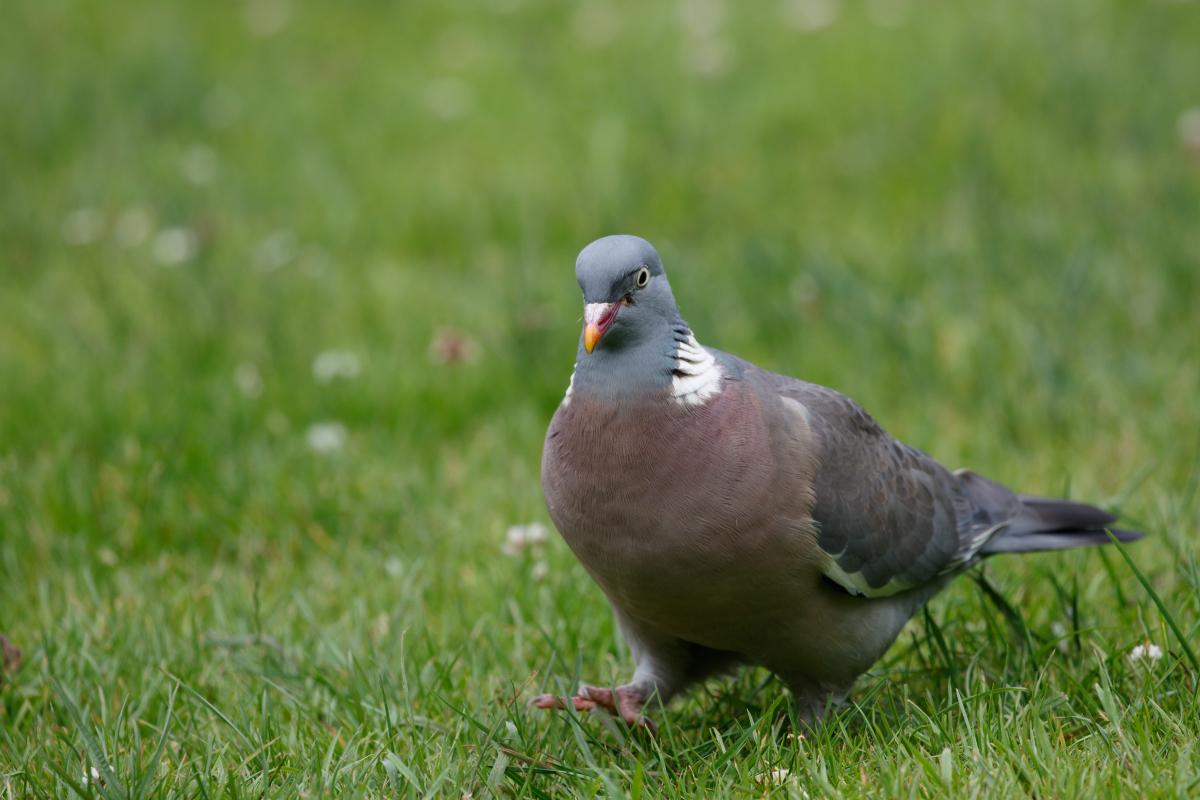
x,y
1168,617
111,788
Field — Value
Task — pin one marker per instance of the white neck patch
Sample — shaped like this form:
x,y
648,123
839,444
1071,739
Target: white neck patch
x,y
566,401
697,377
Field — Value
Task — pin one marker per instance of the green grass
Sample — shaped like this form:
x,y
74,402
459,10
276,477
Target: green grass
x,y
981,223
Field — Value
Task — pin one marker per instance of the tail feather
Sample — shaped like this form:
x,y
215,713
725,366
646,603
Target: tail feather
x,y
1055,540
1026,524
1049,514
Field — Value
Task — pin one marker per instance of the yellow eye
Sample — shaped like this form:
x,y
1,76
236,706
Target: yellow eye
x,y
643,277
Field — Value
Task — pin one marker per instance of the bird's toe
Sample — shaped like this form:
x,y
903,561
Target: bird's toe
x,y
547,701
598,696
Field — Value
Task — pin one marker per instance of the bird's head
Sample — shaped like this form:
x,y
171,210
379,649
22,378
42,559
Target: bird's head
x,y
625,292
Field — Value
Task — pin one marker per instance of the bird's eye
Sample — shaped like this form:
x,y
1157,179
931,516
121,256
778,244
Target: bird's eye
x,y
643,277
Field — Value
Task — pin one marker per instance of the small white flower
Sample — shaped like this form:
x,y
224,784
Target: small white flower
x,y
82,226
199,164
1060,632
596,23
707,56
776,776
810,15
174,246
267,17
133,227
704,50
1146,650
276,250
330,365
1189,130
521,537
701,18
326,437
92,776
248,379
540,570
448,98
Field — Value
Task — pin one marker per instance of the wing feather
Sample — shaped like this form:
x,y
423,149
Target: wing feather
x,y
889,517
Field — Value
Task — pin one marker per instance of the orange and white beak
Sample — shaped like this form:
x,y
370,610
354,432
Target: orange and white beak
x,y
597,319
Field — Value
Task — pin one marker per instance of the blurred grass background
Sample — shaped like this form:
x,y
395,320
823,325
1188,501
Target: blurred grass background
x,y
979,220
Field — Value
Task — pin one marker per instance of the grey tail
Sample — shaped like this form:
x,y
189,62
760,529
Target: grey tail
x,y
1043,523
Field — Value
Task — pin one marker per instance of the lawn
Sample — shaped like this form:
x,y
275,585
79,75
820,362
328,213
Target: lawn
x,y
287,300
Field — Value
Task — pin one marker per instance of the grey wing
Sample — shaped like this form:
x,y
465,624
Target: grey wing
x,y
889,517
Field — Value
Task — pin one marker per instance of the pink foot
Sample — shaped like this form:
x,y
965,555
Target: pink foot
x,y
626,702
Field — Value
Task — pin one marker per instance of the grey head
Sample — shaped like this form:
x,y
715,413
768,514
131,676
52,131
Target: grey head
x,y
632,325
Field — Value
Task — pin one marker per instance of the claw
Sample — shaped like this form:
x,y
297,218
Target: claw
x,y
547,701
646,724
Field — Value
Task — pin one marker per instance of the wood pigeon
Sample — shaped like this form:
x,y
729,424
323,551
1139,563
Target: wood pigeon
x,y
735,516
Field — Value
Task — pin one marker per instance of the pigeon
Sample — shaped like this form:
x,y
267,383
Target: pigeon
x,y
734,516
